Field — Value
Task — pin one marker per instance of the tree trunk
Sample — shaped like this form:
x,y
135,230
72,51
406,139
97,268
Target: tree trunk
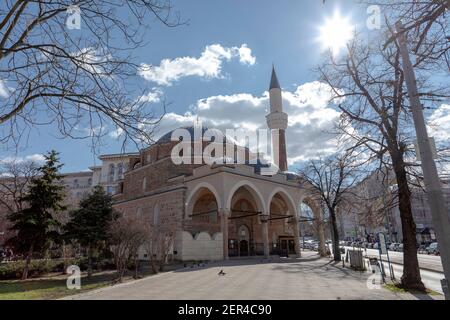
x,y
27,263
136,265
64,257
411,273
335,234
153,263
319,225
89,253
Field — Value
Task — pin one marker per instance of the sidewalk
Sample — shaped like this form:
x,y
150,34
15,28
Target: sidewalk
x,y
309,277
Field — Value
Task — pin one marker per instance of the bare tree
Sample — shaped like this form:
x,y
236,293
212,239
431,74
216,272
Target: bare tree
x,y
127,235
15,177
159,245
428,26
331,178
369,84
82,80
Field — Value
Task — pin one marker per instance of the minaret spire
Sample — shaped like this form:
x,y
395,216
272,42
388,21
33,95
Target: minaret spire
x,y
277,121
274,80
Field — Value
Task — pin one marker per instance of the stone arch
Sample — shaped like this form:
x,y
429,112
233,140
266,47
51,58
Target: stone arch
x,y
315,207
252,189
286,197
193,197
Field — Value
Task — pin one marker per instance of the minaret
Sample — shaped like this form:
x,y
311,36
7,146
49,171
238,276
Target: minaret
x,y
277,121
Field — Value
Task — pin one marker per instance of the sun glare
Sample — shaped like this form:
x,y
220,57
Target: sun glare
x,y
335,33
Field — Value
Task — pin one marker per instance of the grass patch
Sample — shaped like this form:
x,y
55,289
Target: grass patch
x,y
396,288
54,287
50,288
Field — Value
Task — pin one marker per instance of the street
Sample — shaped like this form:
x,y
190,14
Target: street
x,y
430,267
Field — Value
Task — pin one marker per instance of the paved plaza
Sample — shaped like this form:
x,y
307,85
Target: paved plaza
x,y
310,277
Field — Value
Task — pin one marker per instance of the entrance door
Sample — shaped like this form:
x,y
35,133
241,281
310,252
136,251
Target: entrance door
x,y
243,248
244,241
284,248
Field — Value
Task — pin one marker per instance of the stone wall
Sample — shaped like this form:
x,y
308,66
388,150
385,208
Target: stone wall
x,y
200,246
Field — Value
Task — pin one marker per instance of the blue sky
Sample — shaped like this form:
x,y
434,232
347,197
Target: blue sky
x,y
282,32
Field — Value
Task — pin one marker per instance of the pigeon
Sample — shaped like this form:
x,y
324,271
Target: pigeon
x,y
221,273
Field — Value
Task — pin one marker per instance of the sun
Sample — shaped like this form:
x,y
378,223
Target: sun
x,y
335,33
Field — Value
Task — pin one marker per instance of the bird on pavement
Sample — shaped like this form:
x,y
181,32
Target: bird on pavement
x,y
221,273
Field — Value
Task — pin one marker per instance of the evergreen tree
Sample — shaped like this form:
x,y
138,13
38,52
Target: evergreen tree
x,y
89,224
35,223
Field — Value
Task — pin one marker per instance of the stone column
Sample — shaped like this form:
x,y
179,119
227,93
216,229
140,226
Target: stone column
x,y
224,214
296,236
265,233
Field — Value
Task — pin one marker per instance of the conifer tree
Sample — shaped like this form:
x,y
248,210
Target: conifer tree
x,y
89,224
36,223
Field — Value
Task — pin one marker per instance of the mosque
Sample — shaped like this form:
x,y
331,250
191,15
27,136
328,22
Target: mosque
x,y
221,210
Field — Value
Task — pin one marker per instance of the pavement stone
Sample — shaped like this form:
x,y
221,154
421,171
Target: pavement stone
x,y
307,278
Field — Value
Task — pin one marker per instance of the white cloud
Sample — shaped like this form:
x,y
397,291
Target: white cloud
x,y
4,90
208,65
37,157
154,96
245,55
439,123
310,117
115,134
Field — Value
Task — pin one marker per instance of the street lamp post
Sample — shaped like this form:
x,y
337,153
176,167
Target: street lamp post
x,y
432,183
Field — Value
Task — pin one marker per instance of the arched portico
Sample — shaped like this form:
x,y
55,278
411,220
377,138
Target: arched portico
x,y
283,221
197,192
254,191
248,204
317,221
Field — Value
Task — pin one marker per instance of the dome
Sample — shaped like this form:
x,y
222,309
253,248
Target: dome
x,y
218,133
260,163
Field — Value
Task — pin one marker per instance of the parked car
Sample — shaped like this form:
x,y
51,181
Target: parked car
x,y
422,249
393,246
375,245
433,249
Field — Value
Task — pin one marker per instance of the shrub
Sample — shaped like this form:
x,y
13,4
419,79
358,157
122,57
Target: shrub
x,y
39,267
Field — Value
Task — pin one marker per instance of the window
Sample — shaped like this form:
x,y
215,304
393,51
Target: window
x,y
75,183
144,183
156,215
109,190
139,213
120,171
90,181
111,172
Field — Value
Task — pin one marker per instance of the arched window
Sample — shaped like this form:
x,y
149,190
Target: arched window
x,y
75,183
139,214
156,215
111,172
120,171
144,183
90,181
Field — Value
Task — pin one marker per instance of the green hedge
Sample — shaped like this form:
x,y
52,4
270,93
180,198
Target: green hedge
x,y
13,270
